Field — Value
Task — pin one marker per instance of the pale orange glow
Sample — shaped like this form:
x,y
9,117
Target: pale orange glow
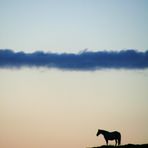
x,y
51,108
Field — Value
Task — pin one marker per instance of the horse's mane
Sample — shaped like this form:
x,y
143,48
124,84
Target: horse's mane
x,y
103,130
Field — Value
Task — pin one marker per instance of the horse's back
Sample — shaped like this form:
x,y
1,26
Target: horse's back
x,y
116,133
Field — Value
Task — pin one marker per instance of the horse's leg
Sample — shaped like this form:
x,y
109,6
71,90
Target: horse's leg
x,y
116,142
106,141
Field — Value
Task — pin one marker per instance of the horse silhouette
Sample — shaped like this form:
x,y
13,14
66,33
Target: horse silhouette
x,y
110,136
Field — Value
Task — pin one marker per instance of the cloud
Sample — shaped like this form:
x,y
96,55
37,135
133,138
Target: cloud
x,y
86,60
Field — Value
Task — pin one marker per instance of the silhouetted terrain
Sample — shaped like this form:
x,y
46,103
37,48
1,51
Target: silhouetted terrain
x,y
125,146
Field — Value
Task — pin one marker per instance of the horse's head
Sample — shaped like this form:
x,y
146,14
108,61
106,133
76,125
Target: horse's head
x,y
98,133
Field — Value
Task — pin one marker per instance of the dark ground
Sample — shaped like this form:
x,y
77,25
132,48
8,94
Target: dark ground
x,y
125,146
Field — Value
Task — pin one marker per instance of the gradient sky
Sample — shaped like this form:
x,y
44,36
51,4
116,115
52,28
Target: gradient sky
x,y
54,108
69,25
47,107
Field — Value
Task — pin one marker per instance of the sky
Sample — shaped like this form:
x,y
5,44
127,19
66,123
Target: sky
x,y
54,25
55,108
68,68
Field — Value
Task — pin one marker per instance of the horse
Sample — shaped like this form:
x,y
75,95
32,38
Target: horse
x,y
110,136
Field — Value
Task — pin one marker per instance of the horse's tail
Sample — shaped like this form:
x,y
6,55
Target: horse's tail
x,y
119,140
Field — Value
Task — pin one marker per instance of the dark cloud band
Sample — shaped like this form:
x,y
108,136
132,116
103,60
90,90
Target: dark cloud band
x,y
87,60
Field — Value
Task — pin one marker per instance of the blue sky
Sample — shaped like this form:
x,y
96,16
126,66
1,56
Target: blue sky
x,y
73,25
